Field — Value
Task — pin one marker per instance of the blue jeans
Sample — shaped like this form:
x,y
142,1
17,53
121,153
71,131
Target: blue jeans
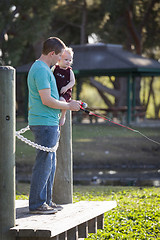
x,y
44,167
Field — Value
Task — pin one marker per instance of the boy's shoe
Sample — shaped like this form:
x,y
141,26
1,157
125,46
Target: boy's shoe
x,y
44,209
55,206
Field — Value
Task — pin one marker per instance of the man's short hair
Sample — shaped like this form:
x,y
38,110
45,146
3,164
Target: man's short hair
x,y
53,44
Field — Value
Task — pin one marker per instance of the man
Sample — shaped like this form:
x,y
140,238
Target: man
x,y
44,110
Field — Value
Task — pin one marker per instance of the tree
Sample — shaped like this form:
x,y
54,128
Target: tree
x,y
25,24
73,20
23,27
22,24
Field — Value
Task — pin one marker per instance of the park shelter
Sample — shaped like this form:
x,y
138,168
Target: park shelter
x,y
110,60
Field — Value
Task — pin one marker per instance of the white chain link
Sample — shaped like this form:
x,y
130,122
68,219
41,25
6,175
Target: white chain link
x,y
30,143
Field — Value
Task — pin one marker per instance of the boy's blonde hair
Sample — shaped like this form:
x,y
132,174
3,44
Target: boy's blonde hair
x,y
69,50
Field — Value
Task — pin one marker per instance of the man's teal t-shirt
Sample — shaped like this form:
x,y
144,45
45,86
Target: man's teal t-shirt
x,y
41,77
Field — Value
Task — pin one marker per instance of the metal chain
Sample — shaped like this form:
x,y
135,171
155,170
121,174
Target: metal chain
x,y
30,143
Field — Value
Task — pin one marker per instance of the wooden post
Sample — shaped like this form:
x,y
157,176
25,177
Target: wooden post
x,y
7,151
63,184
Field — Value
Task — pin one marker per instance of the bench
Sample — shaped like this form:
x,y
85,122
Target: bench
x,y
74,222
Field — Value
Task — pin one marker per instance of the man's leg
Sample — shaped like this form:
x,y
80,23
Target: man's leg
x,y
44,166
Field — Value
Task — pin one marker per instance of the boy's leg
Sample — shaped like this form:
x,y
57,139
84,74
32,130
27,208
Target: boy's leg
x,y
63,113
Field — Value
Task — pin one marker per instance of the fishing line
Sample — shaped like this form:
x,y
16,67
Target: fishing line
x,y
84,106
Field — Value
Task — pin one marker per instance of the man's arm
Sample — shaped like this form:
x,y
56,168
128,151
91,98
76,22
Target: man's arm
x,y
51,102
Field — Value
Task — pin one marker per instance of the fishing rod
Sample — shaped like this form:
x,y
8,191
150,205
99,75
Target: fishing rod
x,y
84,107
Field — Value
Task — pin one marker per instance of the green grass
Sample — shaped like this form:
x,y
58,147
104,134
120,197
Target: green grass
x,y
137,215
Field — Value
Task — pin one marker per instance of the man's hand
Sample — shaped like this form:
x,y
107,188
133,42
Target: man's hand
x,y
74,105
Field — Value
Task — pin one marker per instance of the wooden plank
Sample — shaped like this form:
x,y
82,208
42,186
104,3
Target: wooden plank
x,y
43,232
92,225
72,234
100,221
52,225
14,232
63,236
27,232
35,238
54,238
83,230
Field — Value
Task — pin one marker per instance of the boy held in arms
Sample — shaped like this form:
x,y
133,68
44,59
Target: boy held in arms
x,y
65,79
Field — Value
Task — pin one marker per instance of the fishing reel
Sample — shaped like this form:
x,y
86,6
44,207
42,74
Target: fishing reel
x,y
84,105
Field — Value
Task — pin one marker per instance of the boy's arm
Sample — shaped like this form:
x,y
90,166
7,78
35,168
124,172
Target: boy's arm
x,y
70,84
52,69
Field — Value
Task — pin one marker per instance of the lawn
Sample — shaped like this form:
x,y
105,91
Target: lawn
x,y
137,215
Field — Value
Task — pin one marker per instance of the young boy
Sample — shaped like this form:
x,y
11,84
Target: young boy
x,y
65,78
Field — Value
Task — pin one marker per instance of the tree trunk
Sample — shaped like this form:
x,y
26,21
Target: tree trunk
x,y
149,94
83,23
119,92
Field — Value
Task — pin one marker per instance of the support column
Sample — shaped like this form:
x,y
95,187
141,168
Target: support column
x,y
63,184
133,98
7,151
129,80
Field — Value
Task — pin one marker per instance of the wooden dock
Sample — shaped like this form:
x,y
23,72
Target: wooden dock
x,y
74,222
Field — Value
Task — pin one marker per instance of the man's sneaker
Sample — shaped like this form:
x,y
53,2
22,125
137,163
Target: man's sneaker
x,y
55,206
44,209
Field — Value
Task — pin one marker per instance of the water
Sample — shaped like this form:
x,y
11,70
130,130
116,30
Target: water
x,y
126,177
133,176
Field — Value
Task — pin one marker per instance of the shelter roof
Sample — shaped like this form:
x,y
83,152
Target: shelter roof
x,y
110,58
